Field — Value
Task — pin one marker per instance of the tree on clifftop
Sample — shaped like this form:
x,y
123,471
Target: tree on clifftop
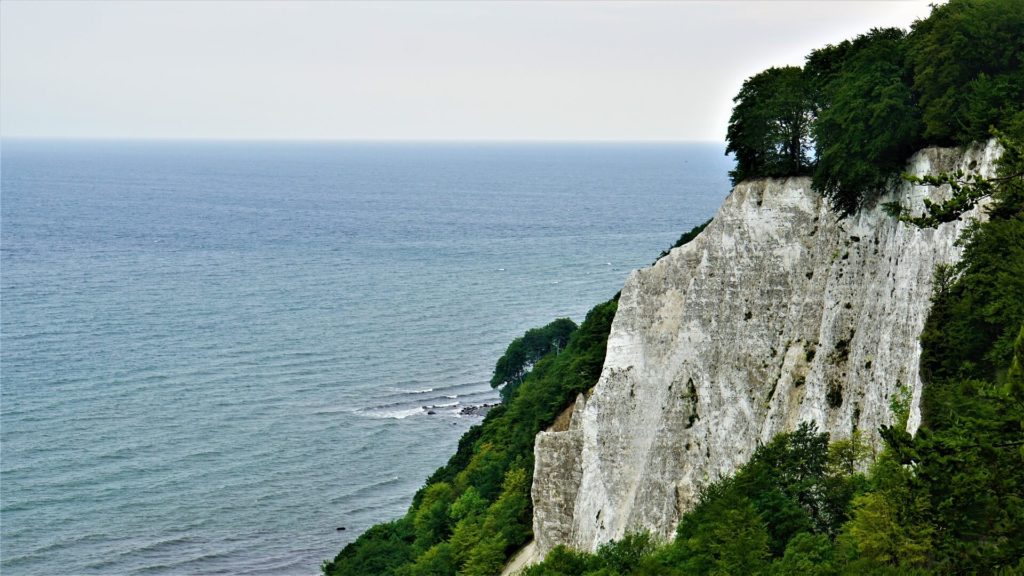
x,y
868,123
967,59
769,130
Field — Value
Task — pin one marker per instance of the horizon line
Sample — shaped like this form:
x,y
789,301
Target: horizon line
x,y
203,139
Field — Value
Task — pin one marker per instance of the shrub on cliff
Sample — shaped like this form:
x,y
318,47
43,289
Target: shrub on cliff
x,y
685,238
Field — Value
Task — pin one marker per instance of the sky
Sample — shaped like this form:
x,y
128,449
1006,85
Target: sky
x,y
403,70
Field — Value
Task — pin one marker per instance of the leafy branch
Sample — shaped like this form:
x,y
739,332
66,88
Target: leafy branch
x,y
968,189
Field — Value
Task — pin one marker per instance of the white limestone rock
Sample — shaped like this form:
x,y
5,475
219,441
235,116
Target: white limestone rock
x,y
777,313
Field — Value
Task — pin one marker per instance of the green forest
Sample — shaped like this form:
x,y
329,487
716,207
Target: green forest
x,y
948,500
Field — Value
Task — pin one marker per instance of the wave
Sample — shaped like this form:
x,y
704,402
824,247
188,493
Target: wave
x,y
371,507
160,545
396,414
403,403
46,549
365,489
334,410
441,406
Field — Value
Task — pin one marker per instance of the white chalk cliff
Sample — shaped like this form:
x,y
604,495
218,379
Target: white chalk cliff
x,y
778,313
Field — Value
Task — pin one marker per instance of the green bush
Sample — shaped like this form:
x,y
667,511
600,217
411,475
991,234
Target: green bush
x,y
526,350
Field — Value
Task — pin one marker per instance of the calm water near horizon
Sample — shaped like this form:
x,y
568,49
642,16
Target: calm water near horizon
x,y
215,354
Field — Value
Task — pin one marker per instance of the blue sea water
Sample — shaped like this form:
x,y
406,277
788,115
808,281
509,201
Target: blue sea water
x,y
214,354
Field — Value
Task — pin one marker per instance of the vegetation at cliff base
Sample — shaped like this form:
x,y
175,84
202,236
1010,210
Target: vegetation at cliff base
x,y
787,503
526,350
857,109
475,511
948,501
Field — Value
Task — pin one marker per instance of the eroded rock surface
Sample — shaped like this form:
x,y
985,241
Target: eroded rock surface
x,y
778,313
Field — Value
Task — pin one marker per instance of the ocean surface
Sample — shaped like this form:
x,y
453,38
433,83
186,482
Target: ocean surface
x,y
213,355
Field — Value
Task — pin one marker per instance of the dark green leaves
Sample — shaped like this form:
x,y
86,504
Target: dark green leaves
x,y
867,123
769,128
967,58
526,350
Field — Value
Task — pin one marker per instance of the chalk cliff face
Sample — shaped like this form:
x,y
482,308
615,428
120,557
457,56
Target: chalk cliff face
x,y
778,313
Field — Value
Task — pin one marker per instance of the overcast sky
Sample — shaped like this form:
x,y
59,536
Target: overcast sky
x,y
415,70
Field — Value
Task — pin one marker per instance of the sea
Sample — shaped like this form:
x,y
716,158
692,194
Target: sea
x,y
216,355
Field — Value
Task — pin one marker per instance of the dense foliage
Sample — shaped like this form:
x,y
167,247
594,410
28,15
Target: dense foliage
x,y
949,500
770,125
526,350
867,123
860,107
967,68
475,511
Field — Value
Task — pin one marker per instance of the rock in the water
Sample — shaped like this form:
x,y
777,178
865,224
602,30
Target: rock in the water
x,y
476,410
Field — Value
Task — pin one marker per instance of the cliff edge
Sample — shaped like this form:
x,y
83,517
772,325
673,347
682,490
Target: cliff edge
x,y
779,312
